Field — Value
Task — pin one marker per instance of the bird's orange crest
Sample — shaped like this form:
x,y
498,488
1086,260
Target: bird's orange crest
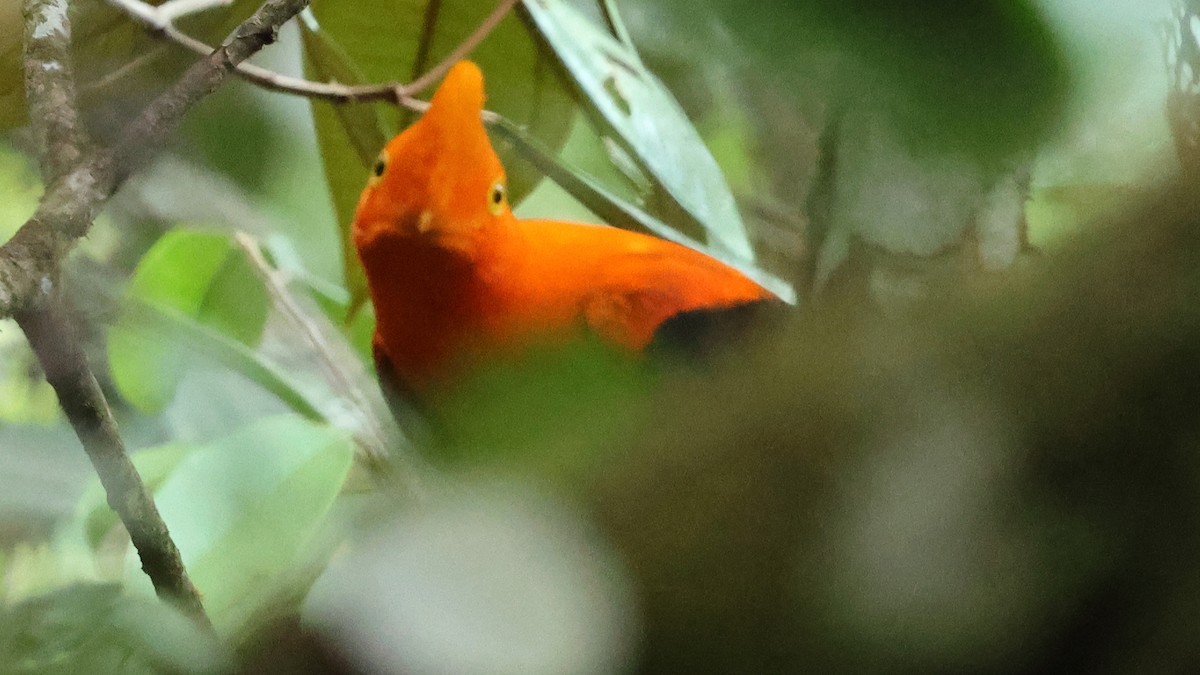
x,y
440,178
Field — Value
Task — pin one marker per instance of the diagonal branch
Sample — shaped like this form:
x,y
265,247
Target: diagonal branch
x,y
62,141
29,261
79,181
158,120
160,22
52,337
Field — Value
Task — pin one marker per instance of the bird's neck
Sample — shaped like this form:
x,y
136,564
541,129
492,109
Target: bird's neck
x,y
427,301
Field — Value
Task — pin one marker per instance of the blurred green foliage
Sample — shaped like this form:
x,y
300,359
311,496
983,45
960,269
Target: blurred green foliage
x,y
21,399
100,629
555,411
243,510
977,76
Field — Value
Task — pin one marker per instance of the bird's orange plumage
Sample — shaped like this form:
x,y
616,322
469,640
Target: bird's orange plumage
x,y
456,278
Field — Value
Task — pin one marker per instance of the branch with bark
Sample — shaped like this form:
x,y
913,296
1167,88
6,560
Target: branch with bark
x,y
160,21
80,178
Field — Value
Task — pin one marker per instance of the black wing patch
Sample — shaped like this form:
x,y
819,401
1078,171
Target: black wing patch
x,y
699,334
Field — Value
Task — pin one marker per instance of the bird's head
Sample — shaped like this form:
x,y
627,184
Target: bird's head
x,y
439,181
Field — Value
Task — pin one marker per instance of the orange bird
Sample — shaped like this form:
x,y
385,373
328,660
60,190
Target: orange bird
x,y
456,279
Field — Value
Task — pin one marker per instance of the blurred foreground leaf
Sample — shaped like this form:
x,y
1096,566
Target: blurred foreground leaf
x,y
984,77
1003,481
99,629
561,406
484,576
241,509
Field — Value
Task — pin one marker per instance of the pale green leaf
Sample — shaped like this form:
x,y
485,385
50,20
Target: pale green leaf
x,y
634,107
197,275
241,509
194,337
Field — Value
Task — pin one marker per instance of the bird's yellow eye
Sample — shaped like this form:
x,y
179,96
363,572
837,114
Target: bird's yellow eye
x,y
380,166
497,198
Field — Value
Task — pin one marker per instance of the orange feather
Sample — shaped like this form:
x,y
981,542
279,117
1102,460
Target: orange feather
x,y
456,278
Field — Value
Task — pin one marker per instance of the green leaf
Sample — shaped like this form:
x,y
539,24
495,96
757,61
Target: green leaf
x,y
350,137
192,336
325,61
95,628
198,275
636,110
241,509
559,408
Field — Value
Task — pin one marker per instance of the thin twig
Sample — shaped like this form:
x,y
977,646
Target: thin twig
x,y
376,440
395,93
148,15
173,10
485,28
152,127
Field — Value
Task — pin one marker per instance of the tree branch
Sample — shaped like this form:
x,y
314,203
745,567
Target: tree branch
x,y
397,93
50,87
159,119
79,181
66,367
29,261
161,24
